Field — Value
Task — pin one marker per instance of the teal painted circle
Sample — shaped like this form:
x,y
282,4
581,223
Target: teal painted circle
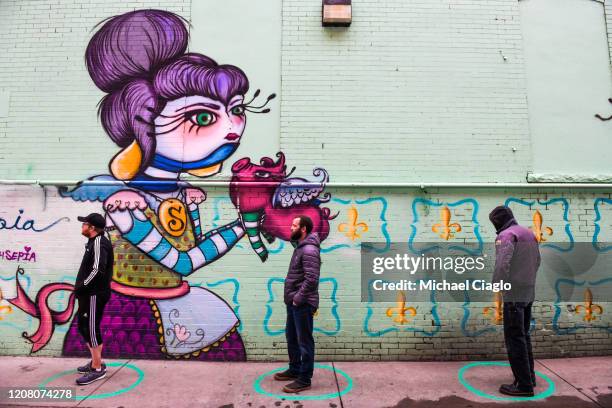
x,y
101,396
544,394
348,388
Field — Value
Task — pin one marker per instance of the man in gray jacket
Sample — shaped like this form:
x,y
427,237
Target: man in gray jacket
x,y
517,259
301,296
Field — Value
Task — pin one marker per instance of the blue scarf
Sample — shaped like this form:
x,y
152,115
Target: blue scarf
x,y
150,183
175,166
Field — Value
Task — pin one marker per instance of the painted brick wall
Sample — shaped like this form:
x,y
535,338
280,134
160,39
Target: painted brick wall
x,y
52,99
412,91
430,91
345,328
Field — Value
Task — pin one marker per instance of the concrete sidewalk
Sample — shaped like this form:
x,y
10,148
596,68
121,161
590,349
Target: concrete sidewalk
x,y
577,382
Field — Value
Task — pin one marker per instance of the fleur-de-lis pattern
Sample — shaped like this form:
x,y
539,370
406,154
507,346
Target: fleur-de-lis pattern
x,y
586,315
445,229
422,225
534,213
400,310
590,309
538,227
353,227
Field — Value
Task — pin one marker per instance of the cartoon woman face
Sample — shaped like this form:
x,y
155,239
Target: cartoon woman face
x,y
193,128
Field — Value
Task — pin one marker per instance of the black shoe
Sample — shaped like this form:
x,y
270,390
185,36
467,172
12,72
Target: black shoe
x,y
296,386
286,375
533,381
87,368
514,391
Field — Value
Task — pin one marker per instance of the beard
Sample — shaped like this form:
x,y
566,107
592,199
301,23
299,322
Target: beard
x,y
296,235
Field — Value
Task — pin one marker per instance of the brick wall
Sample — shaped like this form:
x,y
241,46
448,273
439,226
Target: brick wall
x,y
52,99
411,92
346,328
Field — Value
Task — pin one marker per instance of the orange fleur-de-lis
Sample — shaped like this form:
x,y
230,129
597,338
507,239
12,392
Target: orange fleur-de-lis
x,y
537,229
496,311
445,225
401,309
4,309
589,307
352,227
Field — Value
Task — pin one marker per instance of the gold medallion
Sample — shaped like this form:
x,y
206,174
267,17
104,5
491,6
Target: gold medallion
x,y
173,216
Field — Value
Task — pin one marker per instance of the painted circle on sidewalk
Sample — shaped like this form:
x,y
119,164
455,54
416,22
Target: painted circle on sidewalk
x,y
544,394
289,397
105,395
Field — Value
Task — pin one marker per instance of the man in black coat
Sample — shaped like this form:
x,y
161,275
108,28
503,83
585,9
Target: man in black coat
x,y
92,290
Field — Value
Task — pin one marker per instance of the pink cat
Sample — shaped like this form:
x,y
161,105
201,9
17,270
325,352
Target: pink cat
x,y
268,200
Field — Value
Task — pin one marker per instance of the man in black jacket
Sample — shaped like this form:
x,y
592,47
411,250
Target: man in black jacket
x,y
92,290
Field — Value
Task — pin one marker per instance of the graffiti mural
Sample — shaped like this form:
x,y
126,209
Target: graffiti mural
x,y
445,229
26,254
536,221
275,200
20,224
198,273
171,112
327,321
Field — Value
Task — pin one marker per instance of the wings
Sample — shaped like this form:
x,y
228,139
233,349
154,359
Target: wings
x,y
97,188
295,191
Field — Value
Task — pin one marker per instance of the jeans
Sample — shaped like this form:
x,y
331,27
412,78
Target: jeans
x,y
300,342
517,320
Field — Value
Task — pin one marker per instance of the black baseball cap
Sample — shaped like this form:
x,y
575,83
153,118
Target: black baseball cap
x,y
94,219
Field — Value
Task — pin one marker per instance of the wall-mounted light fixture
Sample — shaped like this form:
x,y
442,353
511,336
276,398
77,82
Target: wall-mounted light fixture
x,y
337,13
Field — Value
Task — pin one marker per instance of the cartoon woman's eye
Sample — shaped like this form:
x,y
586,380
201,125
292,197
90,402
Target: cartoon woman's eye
x,y
202,118
262,174
238,110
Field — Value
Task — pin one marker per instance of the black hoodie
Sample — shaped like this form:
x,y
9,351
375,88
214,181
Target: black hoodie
x,y
502,218
517,255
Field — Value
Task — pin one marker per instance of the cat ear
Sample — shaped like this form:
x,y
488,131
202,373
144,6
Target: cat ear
x,y
240,164
126,164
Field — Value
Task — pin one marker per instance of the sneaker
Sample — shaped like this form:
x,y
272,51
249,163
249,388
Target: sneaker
x,y
87,368
514,391
90,377
296,386
286,375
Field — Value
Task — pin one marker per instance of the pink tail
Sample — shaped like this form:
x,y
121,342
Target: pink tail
x,y
41,310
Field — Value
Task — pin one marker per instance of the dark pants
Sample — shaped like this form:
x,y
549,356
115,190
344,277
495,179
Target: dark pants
x,y
300,342
517,320
90,313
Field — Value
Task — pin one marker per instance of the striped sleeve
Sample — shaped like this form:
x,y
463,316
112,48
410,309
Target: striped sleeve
x,y
96,263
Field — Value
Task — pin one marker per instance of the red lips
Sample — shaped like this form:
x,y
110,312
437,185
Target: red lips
x,y
232,136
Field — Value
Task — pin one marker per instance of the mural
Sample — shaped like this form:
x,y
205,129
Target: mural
x,y
273,200
176,291
171,112
327,321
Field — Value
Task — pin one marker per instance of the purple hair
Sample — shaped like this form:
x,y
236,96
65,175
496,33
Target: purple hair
x,y
139,60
